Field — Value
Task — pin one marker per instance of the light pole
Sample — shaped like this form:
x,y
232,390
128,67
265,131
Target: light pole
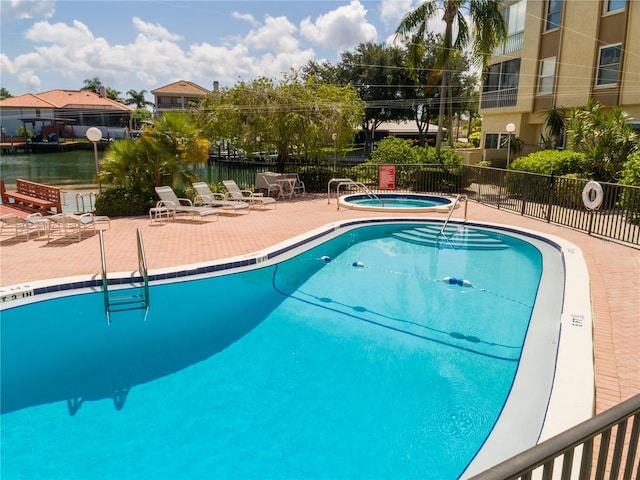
x,y
334,137
94,135
510,129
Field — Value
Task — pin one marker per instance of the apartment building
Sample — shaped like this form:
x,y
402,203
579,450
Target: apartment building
x,y
559,53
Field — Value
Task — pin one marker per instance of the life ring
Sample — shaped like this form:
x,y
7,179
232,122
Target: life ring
x,y
592,195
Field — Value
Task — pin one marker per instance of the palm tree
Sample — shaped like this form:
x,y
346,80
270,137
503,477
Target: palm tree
x,y
92,85
488,29
138,99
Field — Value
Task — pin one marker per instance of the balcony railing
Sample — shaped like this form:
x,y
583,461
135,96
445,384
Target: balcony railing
x,y
513,43
500,98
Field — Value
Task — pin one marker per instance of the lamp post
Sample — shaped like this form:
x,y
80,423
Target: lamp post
x,y
334,137
510,129
94,135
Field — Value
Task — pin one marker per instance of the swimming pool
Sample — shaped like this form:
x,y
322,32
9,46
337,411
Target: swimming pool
x,y
271,379
398,202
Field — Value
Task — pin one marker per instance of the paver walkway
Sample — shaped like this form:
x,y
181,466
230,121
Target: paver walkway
x,y
614,269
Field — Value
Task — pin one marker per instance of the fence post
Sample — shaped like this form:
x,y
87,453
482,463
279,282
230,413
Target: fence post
x,y
524,194
552,185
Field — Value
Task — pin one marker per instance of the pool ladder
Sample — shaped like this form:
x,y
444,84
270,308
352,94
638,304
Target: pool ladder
x,y
119,303
347,181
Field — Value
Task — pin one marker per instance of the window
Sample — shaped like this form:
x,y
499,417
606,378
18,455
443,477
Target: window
x,y
613,5
547,72
501,84
491,140
609,65
554,13
515,16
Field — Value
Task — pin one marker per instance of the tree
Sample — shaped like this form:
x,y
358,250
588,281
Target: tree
x,y
159,157
4,93
555,125
292,117
604,136
487,28
138,99
92,85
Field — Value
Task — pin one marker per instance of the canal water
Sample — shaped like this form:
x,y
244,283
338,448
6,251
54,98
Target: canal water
x,y
76,170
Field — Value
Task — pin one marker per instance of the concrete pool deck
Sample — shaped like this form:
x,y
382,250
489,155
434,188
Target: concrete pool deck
x,y
614,269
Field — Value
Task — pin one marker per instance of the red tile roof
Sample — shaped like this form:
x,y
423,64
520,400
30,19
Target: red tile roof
x,y
64,99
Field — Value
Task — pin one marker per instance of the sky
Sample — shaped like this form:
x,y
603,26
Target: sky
x,y
144,45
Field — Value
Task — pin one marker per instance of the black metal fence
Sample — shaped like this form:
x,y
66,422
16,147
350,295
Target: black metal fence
x,y
556,200
605,446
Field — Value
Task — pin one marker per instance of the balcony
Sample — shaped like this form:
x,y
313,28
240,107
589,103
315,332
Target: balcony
x,y
500,98
513,43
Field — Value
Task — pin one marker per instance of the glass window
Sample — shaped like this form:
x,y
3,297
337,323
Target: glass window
x,y
554,13
515,17
613,5
609,65
547,72
491,140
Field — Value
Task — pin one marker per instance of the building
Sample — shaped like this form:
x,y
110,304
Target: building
x,y
559,54
64,113
181,95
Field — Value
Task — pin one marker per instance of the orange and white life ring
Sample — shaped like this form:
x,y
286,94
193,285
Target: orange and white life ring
x,y
592,195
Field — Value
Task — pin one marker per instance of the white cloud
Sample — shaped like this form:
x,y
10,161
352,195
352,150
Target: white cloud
x,y
392,11
342,28
11,10
276,34
247,17
154,30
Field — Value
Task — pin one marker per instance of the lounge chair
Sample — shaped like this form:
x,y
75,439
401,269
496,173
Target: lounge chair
x,y
267,182
255,199
208,198
34,221
168,199
69,224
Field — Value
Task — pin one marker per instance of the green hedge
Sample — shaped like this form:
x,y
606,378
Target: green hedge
x,y
554,162
124,202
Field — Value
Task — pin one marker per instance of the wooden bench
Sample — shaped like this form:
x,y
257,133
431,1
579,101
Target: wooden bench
x,y
33,197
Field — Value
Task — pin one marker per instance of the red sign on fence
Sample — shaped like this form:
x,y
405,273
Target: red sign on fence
x,y
387,177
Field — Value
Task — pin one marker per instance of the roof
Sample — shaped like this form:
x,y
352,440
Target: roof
x,y
64,99
182,87
403,127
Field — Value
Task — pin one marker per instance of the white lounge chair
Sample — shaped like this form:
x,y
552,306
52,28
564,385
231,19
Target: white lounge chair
x,y
208,198
255,199
169,200
19,224
69,224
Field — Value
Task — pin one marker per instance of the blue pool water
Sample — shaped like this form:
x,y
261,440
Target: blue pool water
x,y
396,201
308,368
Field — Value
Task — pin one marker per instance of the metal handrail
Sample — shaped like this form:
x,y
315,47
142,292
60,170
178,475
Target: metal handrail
x,y
142,267
611,428
361,185
453,207
105,283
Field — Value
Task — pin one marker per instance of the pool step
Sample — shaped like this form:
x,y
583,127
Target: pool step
x,y
453,237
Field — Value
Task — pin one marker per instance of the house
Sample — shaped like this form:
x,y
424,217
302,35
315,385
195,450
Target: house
x,y
181,95
64,113
559,54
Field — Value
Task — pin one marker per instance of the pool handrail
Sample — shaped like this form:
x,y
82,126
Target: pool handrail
x,y
348,181
453,207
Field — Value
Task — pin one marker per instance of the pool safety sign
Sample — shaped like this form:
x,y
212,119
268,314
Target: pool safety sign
x,y
387,177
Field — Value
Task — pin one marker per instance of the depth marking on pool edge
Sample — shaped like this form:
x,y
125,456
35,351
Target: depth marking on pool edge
x,y
15,293
577,320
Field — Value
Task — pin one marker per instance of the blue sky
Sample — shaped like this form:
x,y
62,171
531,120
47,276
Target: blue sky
x,y
143,45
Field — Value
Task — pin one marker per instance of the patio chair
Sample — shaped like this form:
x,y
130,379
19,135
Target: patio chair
x,y
298,185
169,200
267,181
68,225
255,199
208,198
19,224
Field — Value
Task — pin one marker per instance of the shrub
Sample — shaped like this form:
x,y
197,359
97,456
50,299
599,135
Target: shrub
x,y
553,162
394,150
474,139
124,202
630,198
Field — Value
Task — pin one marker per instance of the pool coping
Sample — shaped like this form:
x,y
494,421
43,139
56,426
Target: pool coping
x,y
572,394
